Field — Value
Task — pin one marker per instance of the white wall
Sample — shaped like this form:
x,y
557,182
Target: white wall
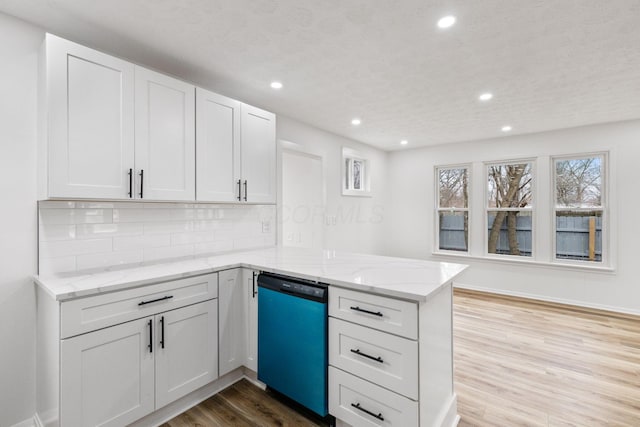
x,y
412,213
359,221
19,44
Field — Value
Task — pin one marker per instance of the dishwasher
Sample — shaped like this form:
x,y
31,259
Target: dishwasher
x,y
292,339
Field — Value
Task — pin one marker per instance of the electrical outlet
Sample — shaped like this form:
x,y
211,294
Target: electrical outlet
x,y
266,226
332,220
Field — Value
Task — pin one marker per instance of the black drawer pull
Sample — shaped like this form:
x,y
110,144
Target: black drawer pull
x,y
155,300
162,332
359,353
360,408
366,311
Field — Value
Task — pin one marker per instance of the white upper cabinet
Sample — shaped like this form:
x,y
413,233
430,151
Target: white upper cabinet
x,y
165,137
114,130
258,155
218,146
236,151
88,129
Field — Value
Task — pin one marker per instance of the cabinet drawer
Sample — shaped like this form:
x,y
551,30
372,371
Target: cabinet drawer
x,y
381,358
375,311
88,314
361,403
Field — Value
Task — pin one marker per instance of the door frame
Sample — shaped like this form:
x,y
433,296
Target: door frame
x,y
290,147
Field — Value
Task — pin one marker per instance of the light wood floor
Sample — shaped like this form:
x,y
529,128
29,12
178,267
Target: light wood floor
x,y
517,363
524,363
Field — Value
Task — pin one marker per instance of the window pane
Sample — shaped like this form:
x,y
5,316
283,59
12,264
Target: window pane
x,y
579,235
509,185
454,231
510,233
579,182
453,188
357,174
347,173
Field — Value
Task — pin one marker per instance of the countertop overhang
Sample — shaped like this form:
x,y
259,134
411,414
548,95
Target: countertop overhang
x,y
409,279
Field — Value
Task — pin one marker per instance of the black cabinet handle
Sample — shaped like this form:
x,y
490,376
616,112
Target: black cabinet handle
x,y
142,183
362,310
155,300
245,190
254,284
360,408
239,190
150,336
359,353
162,332
130,183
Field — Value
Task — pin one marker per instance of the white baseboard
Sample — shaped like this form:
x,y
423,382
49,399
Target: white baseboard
x,y
548,299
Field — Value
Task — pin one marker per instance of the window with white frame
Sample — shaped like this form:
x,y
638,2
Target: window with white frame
x,y
509,208
579,206
355,173
453,208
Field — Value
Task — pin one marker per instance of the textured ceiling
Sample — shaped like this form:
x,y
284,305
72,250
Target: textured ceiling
x,y
550,64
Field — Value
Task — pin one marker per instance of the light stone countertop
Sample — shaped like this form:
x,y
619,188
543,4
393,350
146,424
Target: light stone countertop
x,y
409,279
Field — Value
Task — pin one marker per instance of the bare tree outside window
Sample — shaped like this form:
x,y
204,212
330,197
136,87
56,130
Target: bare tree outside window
x,y
509,190
453,209
579,208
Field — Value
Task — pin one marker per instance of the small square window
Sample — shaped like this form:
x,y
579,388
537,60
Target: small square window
x,y
355,173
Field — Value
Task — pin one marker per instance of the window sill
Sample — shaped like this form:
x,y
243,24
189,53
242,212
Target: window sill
x,y
527,262
357,193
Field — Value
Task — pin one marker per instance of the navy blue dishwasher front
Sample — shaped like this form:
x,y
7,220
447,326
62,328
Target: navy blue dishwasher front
x,y
292,339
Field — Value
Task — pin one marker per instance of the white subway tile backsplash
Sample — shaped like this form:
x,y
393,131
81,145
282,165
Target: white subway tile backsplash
x,y
108,259
57,232
168,252
48,266
94,231
76,236
64,248
141,242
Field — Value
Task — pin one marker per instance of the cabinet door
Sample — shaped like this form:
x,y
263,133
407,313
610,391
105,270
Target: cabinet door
x,y
165,137
251,303
232,320
107,376
218,147
90,129
258,155
186,350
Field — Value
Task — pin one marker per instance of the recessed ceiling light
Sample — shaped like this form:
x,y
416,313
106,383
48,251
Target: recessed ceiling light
x,y
485,96
355,122
404,142
276,85
506,128
446,21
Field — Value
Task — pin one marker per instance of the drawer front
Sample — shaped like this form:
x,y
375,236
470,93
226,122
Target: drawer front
x,y
381,358
375,311
88,314
361,403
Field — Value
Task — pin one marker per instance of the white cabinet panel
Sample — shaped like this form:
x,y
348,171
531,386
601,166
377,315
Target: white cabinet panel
x,y
258,155
361,403
187,350
89,128
218,146
251,295
384,359
232,320
107,377
165,137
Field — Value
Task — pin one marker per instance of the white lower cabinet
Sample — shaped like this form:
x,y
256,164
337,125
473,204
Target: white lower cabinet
x,y
251,295
119,374
107,376
186,349
232,320
361,403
